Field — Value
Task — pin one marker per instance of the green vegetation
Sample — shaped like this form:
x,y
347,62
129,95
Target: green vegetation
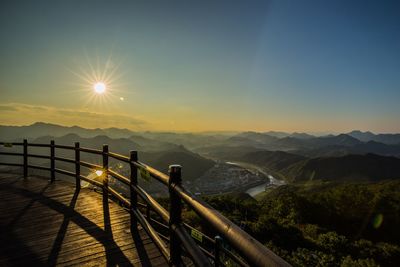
x,y
367,167
323,223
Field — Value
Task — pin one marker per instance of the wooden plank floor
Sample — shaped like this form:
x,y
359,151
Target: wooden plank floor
x,y
47,224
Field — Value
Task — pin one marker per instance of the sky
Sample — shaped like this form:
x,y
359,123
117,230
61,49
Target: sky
x,y
305,66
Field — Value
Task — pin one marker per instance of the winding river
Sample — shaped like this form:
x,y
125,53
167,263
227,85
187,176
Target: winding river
x,y
259,188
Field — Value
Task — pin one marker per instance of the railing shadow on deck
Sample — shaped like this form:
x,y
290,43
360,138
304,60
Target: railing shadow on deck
x,y
13,260
55,250
8,236
182,240
71,215
26,208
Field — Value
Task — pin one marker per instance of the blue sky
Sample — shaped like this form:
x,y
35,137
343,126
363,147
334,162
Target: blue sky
x,y
205,65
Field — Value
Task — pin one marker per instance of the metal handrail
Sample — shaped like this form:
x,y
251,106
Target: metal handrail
x,y
252,251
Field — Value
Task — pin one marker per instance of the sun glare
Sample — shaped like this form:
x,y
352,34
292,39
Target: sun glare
x,y
101,83
99,173
99,87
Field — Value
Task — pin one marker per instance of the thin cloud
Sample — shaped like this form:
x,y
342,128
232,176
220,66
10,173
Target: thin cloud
x,y
22,114
7,108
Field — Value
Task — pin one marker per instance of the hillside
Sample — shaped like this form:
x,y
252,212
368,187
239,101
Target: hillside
x,y
361,148
193,164
118,145
272,160
390,139
148,144
367,167
322,224
189,140
292,143
258,137
224,152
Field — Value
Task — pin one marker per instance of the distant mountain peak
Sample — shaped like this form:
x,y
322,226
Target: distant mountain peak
x,y
71,135
302,135
40,123
360,132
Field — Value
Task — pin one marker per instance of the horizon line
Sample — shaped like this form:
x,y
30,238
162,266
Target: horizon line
x,y
316,133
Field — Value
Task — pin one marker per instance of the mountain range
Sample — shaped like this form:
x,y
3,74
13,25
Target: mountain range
x,y
389,139
39,129
294,157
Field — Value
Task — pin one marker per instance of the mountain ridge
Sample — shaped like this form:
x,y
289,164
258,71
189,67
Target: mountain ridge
x,y
369,167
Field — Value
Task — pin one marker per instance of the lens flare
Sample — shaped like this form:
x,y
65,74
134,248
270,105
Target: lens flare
x,y
377,221
99,173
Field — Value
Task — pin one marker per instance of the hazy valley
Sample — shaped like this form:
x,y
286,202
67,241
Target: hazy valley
x,y
292,157
334,199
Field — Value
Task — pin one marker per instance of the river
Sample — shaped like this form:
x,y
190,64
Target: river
x,y
259,188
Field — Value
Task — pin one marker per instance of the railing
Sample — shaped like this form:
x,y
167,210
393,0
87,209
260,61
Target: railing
x,y
205,251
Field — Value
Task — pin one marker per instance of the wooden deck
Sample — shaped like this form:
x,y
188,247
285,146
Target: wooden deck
x,y
47,224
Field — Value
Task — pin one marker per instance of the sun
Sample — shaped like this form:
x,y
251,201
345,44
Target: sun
x,y
99,88
100,83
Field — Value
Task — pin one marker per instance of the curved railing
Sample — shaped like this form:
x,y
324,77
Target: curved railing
x,y
183,239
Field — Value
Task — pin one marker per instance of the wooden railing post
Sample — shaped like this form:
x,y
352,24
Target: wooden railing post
x,y
217,254
105,171
77,166
52,162
133,194
175,211
25,158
